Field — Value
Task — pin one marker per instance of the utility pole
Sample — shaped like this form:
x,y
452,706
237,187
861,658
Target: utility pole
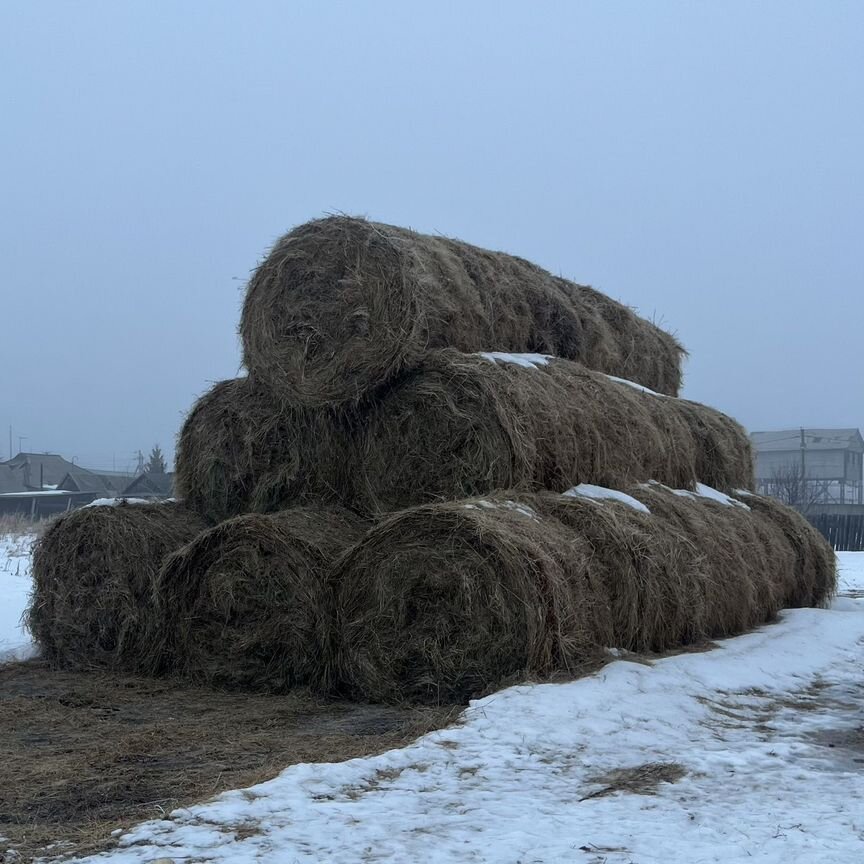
x,y
803,484
11,454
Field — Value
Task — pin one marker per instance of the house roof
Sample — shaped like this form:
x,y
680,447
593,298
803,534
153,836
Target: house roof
x,y
53,467
151,483
11,480
814,439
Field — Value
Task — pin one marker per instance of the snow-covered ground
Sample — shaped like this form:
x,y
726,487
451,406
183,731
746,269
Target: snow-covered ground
x,y
14,590
756,750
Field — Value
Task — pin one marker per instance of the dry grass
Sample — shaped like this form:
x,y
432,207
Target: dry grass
x,y
93,574
82,754
637,780
16,525
461,425
341,305
247,603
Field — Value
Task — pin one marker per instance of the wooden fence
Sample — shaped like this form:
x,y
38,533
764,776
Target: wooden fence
x,y
844,531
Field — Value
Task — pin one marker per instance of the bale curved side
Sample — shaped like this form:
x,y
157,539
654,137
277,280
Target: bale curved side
x,y
93,573
241,450
746,565
247,604
441,603
341,305
463,424
815,564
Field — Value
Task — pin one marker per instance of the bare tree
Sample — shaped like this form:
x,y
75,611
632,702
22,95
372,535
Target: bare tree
x,y
790,485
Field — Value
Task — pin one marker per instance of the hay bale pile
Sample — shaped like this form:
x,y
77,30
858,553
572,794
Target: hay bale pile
x,y
341,527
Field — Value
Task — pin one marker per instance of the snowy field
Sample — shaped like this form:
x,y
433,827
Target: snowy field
x,y
750,752
14,591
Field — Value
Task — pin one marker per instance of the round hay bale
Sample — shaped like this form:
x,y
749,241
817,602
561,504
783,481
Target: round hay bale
x,y
652,572
463,424
445,602
745,565
341,305
93,573
814,571
247,604
241,450
449,601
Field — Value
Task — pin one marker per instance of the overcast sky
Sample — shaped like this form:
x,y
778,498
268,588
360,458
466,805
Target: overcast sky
x,y
703,162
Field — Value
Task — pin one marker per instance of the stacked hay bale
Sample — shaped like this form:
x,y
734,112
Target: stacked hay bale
x,y
94,572
451,600
345,531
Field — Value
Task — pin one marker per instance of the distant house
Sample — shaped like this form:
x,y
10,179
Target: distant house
x,y
40,470
10,480
151,485
106,484
819,467
42,484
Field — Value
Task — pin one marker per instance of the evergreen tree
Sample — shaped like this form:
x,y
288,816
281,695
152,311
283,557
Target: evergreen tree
x,y
156,462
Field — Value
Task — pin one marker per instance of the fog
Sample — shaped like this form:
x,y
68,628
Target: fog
x,y
701,162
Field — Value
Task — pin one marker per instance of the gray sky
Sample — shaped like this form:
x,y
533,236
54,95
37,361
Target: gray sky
x,y
700,161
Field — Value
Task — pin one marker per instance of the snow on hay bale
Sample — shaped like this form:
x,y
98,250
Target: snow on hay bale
x,y
240,450
448,601
464,424
93,573
340,305
246,603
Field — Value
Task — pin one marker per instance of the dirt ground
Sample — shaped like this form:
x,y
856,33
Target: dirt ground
x,y
82,755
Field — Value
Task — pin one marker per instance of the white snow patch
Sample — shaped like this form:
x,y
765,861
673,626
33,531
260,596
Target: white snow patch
x,y
703,491
15,585
529,361
636,386
484,504
587,490
116,502
850,573
517,779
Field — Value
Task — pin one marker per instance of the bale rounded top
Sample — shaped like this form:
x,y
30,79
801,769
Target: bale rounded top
x,y
332,309
341,304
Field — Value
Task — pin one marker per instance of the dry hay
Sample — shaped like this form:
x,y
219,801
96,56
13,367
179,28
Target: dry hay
x,y
815,564
83,754
443,602
340,305
448,601
240,450
247,604
93,573
461,425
